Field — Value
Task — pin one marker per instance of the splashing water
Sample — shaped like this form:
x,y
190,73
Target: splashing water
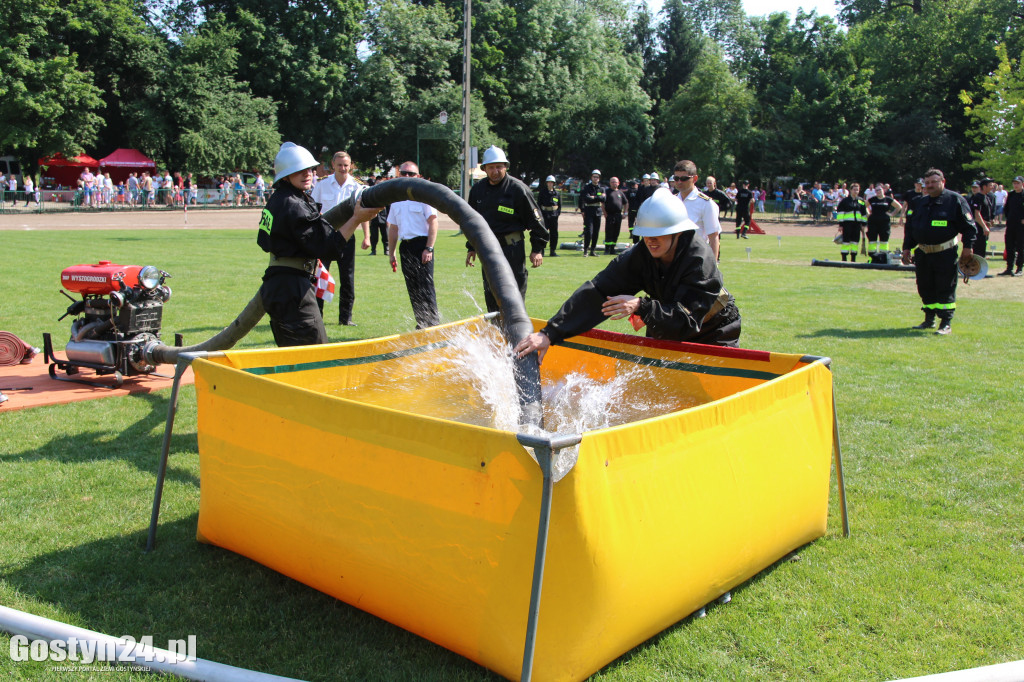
x,y
470,378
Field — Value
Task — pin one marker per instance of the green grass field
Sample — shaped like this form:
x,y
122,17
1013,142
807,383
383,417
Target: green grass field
x,y
932,578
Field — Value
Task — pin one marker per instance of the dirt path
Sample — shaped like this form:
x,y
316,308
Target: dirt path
x,y
570,224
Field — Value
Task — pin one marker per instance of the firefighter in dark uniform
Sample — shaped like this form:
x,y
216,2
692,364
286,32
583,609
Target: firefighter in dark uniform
x,y
1014,236
510,210
643,193
935,222
551,208
744,208
909,196
717,195
881,209
615,204
592,197
983,205
852,214
295,235
633,197
686,297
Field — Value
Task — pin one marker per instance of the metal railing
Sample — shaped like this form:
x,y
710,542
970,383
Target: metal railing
x,y
70,200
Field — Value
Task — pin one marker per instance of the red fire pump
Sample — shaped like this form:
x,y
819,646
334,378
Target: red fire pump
x,y
120,312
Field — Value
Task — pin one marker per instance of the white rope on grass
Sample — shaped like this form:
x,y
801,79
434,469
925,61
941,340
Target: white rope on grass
x,y
126,653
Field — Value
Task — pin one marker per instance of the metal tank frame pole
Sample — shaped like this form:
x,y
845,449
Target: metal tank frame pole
x,y
184,362
837,451
466,57
840,480
545,449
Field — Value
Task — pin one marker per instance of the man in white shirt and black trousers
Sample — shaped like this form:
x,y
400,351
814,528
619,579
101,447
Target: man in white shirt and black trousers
x,y
412,226
330,192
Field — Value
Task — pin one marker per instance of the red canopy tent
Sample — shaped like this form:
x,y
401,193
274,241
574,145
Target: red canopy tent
x,y
121,162
65,171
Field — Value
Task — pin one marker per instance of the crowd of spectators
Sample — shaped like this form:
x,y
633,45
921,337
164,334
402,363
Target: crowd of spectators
x,y
96,189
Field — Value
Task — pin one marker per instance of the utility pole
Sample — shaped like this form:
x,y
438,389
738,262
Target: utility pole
x,y
466,31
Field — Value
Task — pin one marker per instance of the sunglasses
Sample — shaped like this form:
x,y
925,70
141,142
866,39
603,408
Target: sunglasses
x,y
408,174
682,178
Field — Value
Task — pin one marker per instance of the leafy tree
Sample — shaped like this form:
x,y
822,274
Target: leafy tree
x,y
707,118
47,103
921,62
301,54
213,123
572,94
722,21
643,43
815,112
681,46
405,81
999,119
125,56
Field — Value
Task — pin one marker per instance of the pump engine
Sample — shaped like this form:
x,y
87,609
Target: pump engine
x,y
120,312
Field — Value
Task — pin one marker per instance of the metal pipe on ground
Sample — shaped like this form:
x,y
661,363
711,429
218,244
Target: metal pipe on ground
x,y
38,628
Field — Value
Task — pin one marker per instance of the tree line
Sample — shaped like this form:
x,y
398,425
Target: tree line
x,y
882,91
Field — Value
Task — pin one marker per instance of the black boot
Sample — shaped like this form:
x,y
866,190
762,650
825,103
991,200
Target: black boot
x,y
944,326
929,321
843,254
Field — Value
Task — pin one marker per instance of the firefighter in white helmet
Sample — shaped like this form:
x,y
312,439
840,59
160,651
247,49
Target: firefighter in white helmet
x,y
686,299
592,196
295,235
551,207
510,210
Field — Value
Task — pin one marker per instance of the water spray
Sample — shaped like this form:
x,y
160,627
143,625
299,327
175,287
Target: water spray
x,y
514,323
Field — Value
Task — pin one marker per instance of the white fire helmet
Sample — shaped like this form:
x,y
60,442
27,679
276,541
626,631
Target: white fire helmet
x,y
654,176
291,159
493,155
661,215
976,269
595,172
647,176
550,178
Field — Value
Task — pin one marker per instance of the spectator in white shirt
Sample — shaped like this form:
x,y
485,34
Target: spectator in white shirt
x,y
413,226
329,192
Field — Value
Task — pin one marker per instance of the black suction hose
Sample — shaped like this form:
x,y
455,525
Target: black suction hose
x,y
515,323
156,353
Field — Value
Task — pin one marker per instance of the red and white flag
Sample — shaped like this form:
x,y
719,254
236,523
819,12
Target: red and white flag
x,y
324,282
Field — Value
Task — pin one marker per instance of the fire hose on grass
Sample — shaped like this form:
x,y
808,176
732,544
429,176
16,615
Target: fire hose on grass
x,y
515,323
